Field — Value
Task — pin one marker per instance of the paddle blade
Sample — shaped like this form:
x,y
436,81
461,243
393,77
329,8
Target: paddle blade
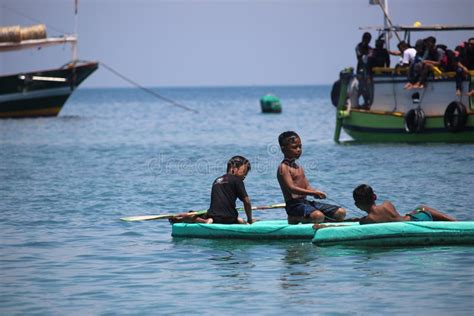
x,y
267,207
146,217
140,218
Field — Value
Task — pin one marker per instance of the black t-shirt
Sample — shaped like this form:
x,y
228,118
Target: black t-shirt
x,y
225,191
467,57
380,58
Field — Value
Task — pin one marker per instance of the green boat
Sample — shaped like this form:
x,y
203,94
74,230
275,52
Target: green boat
x,y
377,107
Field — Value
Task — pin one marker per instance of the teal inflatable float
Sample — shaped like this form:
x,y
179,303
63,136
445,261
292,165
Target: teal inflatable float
x,y
276,229
346,233
397,234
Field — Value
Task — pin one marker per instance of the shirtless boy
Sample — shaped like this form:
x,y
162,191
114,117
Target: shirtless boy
x,y
295,187
365,197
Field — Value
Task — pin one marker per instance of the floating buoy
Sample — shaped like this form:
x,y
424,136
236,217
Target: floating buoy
x,y
270,104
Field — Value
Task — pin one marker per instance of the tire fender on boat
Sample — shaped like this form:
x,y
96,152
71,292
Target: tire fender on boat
x,y
455,117
335,92
415,120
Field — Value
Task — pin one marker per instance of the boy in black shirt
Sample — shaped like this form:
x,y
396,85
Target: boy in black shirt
x,y
225,191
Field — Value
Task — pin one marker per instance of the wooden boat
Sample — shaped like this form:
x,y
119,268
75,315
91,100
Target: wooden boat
x,y
377,108
42,92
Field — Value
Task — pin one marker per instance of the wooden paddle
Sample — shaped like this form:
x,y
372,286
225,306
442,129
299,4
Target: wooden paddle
x,y
201,212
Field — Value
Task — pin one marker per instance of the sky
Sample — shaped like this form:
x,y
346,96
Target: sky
x,y
218,43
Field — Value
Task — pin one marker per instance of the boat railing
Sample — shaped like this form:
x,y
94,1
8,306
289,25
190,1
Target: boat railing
x,y
438,73
37,43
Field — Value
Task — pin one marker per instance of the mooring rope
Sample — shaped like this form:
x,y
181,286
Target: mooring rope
x,y
146,89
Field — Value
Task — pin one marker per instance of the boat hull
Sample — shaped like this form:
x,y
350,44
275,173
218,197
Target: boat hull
x,y
40,93
375,126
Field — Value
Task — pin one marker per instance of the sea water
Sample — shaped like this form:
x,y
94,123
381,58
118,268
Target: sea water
x,y
66,181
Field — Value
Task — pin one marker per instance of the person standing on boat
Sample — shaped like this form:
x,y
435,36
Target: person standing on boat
x,y
363,52
364,198
225,191
295,187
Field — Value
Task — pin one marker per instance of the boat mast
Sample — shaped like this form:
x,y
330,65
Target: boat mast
x,y
74,45
385,25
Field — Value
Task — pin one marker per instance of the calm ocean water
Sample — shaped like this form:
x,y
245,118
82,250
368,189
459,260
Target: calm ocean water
x,y
66,181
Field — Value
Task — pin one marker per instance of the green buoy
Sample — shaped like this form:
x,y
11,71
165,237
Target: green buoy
x,y
270,104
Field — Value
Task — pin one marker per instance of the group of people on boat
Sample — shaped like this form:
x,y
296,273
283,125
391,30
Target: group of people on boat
x,y
427,57
295,188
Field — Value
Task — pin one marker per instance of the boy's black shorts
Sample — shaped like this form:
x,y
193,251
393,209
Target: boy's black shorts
x,y
224,220
303,207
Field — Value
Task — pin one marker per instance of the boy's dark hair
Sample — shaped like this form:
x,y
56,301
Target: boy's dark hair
x,y
287,137
237,162
431,40
402,44
363,194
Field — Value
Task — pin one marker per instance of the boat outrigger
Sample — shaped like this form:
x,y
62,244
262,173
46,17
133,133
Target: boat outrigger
x,y
44,92
392,113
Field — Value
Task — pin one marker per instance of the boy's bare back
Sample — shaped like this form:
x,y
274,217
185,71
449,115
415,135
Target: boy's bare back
x,y
381,213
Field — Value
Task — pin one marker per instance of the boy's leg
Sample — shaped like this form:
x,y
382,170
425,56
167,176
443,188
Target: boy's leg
x,y
203,220
316,217
459,77
437,215
332,213
339,215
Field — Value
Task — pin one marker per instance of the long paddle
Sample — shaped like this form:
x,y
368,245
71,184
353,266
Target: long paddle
x,y
201,212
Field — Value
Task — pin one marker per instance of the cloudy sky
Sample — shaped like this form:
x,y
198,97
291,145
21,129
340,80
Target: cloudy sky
x,y
218,43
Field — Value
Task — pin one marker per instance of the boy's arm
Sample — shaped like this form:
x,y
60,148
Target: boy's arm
x,y
395,52
243,196
293,188
366,220
248,209
320,195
